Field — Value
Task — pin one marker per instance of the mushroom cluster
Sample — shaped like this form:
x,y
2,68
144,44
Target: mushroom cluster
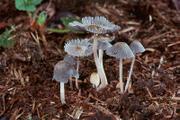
x,y
97,25
63,70
96,45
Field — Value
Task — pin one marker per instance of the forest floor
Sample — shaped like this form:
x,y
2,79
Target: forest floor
x,y
27,91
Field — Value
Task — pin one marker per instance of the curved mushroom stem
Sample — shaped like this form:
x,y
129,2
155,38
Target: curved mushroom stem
x,y
98,66
121,75
77,69
62,93
130,74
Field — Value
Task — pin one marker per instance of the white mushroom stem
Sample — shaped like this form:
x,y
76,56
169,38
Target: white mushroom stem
x,y
62,93
130,74
121,75
99,67
77,69
101,57
101,62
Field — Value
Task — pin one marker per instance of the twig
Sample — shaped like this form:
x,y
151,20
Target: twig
x,y
126,30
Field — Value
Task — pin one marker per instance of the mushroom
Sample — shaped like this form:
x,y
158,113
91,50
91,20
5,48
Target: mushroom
x,y
71,60
94,80
120,51
102,45
97,25
136,48
78,48
62,72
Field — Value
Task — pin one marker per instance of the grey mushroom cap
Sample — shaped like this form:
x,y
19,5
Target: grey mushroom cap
x,y
104,45
78,47
120,50
63,71
97,24
136,47
70,59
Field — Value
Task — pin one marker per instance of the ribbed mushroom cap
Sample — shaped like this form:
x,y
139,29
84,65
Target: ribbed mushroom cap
x,y
103,45
136,47
78,47
63,71
99,25
120,50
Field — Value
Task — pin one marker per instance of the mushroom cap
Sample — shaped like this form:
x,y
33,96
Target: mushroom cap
x,y
94,79
104,45
63,71
99,25
136,47
70,59
103,41
120,50
78,47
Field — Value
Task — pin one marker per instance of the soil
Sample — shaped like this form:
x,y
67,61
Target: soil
x,y
27,91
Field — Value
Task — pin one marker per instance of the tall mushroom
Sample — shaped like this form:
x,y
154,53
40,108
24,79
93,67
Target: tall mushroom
x,y
97,25
136,48
120,51
103,44
78,48
62,72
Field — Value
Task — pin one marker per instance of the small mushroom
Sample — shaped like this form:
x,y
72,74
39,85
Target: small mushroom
x,y
70,59
62,72
78,48
103,43
94,80
120,51
136,48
